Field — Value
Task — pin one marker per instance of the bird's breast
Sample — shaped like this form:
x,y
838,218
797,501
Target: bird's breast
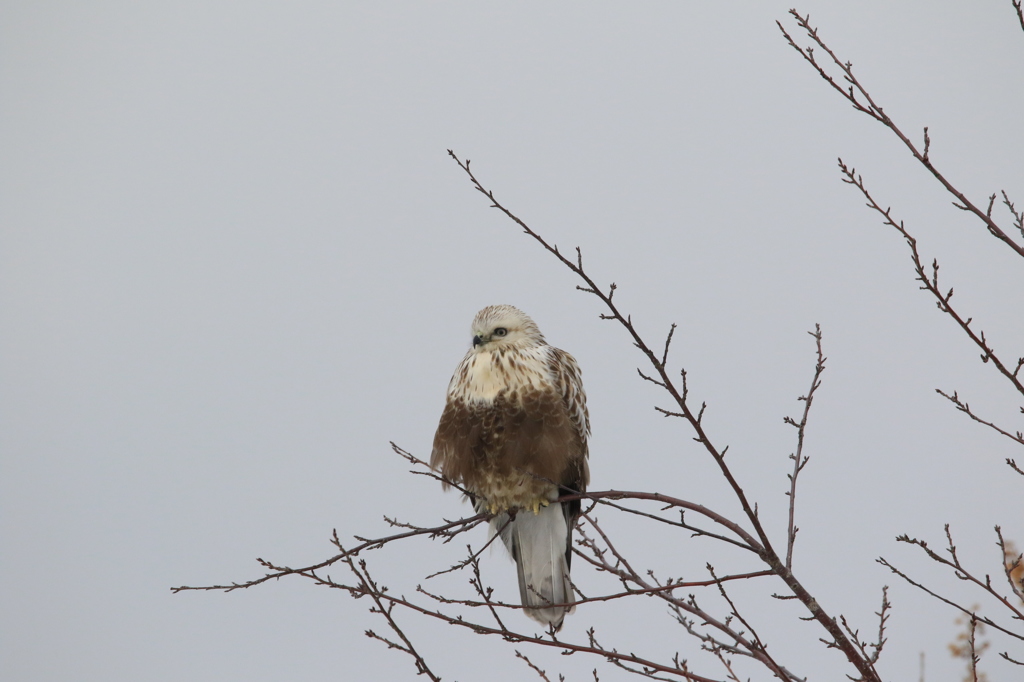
x,y
489,374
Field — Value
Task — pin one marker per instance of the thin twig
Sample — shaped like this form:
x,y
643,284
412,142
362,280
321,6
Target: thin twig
x,y
625,573
961,572
799,460
472,555
540,673
757,641
1011,565
1017,437
447,530
1018,216
369,587
962,609
974,657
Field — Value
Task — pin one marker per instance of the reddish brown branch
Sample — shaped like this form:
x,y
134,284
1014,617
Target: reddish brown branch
x,y
1018,216
757,643
450,529
622,569
369,587
855,93
749,542
1017,437
963,573
384,604
626,321
566,646
931,283
1011,565
768,554
540,673
799,460
447,530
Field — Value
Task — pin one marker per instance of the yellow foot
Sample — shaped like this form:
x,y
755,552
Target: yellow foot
x,y
535,507
538,504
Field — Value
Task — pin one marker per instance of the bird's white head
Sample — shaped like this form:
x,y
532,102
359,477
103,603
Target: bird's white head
x,y
498,327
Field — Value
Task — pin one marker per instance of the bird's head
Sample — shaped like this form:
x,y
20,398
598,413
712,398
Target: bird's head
x,y
504,326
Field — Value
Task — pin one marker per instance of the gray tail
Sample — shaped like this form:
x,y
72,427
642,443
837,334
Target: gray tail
x,y
540,545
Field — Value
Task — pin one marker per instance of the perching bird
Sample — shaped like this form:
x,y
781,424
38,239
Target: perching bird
x,y
514,434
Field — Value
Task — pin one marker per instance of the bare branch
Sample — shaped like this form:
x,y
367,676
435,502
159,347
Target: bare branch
x,y
883,616
669,502
767,553
611,655
930,284
626,321
540,673
1018,216
447,531
973,665
1013,566
369,587
964,574
757,641
430,473
668,342
858,96
956,606
966,409
624,572
1006,656
799,460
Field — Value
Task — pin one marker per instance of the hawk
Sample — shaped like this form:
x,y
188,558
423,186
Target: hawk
x,y
514,435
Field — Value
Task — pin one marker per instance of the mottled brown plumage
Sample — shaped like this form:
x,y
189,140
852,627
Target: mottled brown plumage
x,y
514,434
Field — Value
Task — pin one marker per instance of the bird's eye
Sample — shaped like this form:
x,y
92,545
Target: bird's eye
x,y
500,331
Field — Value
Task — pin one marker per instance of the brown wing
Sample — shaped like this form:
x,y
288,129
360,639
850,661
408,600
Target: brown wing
x,y
569,383
530,434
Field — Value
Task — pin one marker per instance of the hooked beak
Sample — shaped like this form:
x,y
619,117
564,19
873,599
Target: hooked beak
x,y
478,341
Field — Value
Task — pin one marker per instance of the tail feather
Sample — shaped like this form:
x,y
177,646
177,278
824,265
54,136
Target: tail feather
x,y
539,543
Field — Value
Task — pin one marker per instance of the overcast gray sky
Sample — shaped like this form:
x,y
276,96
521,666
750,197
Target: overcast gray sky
x,y
235,261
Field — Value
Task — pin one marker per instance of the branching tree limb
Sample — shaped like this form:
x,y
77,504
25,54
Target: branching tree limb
x,y
727,630
600,551
683,410
857,95
851,89
930,283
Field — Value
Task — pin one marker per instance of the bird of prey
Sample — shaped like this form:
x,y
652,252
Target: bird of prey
x,y
514,435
